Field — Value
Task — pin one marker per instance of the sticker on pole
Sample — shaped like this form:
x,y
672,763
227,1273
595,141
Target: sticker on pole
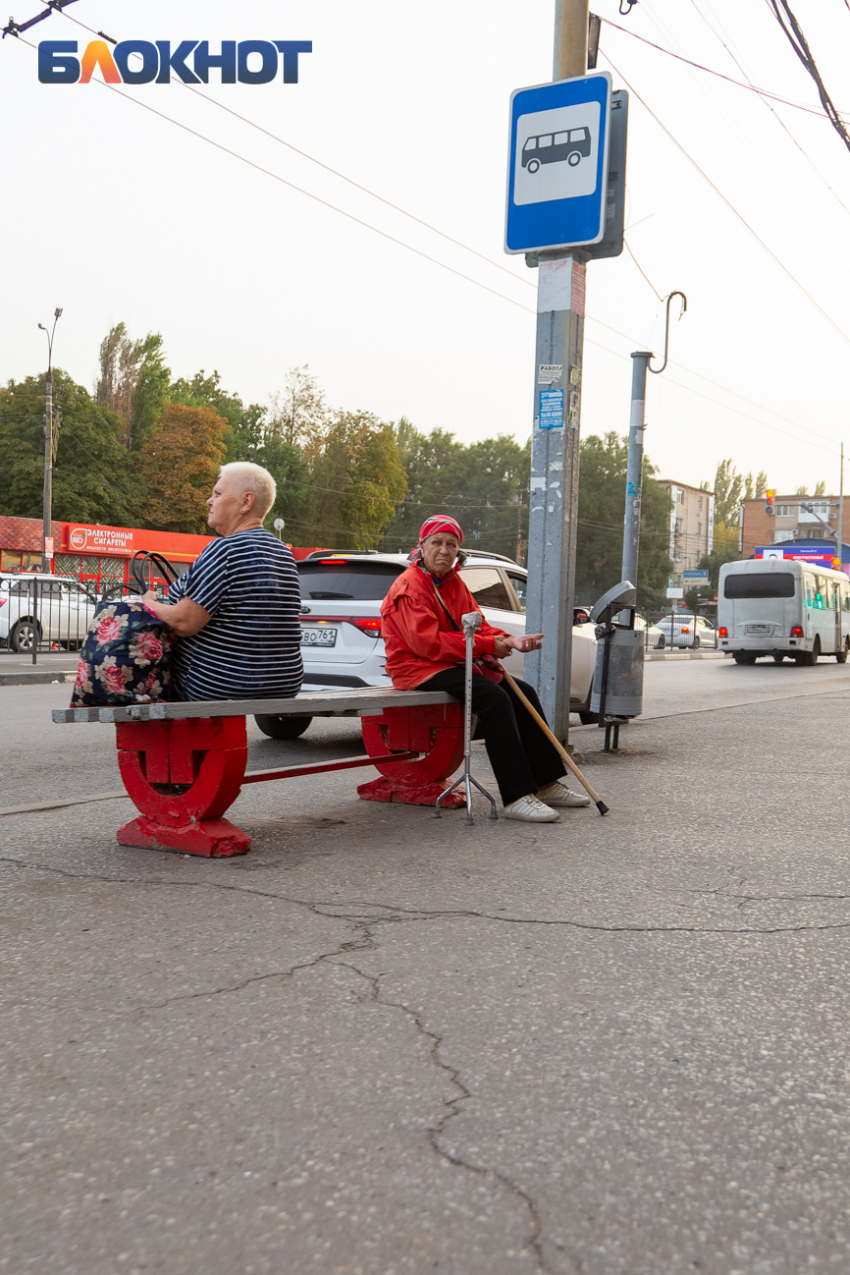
x,y
558,164
551,414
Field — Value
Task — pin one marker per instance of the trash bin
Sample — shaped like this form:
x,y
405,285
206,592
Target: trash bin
x,y
618,679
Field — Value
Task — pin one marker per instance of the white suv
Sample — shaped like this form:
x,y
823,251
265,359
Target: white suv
x,y
36,608
341,642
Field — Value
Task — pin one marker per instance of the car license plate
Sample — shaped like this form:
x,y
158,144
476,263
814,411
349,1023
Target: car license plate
x,y
318,637
758,628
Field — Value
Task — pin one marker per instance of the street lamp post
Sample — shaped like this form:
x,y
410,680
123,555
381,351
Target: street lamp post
x,y
47,502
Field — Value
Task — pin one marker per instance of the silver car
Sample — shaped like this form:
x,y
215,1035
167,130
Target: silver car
x,y
688,631
38,607
341,641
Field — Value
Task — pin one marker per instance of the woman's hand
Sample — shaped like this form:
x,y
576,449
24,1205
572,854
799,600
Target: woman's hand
x,y
149,597
505,643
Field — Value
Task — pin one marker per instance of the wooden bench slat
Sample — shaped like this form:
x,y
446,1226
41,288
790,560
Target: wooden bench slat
x,y
356,701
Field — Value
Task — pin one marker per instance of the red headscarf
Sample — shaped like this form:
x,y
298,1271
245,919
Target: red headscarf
x,y
440,522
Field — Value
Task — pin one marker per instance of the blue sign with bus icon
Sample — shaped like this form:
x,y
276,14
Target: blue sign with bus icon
x,y
558,164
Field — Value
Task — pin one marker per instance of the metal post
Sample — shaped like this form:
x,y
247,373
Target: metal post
x,y
553,497
634,470
471,624
841,514
34,608
47,499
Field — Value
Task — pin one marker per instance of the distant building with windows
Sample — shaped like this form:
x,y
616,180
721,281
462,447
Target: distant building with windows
x,y
791,525
691,527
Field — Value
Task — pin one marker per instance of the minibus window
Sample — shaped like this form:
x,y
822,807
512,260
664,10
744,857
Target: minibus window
x,y
759,584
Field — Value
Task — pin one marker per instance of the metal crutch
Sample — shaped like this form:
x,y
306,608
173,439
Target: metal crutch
x,y
471,623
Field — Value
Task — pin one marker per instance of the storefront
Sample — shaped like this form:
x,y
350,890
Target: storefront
x,y
93,554
101,555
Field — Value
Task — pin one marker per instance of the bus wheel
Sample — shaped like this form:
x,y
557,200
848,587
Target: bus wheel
x,y
744,657
841,656
777,659
533,165
806,659
574,159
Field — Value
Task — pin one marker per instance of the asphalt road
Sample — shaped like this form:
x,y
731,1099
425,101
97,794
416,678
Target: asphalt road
x,y
382,1043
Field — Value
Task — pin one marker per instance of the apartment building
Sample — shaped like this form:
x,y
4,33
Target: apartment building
x,y
691,526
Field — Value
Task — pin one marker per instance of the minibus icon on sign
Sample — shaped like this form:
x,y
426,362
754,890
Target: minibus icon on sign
x,y
571,145
556,153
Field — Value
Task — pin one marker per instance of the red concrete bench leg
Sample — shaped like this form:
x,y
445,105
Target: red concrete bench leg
x,y
433,729
183,775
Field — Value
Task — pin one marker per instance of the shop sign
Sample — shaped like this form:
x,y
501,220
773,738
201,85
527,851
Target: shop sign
x,y
110,541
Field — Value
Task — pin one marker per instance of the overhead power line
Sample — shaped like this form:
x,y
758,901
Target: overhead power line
x,y
412,216
765,101
800,45
469,279
320,164
730,205
774,97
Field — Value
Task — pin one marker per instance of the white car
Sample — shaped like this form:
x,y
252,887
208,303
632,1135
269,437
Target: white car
x,y
36,608
341,624
652,635
689,632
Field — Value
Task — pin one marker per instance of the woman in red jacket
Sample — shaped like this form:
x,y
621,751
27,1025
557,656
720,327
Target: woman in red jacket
x,y
425,648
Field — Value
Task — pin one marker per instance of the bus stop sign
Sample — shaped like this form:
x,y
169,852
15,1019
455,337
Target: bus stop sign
x,y
558,164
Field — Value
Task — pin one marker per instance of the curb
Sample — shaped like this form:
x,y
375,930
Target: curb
x,y
686,655
26,679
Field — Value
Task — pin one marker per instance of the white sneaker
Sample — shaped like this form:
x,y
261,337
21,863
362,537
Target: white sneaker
x,y
530,810
560,795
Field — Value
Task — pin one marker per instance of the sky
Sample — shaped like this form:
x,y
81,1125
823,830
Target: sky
x,y
116,213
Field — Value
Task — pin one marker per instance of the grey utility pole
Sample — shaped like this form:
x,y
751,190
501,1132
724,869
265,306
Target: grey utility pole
x,y
634,469
553,498
47,498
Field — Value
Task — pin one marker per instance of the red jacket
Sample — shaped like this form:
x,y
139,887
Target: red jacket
x,y
418,636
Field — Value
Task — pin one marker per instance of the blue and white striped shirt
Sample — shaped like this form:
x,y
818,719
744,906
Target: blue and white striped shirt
x,y
251,647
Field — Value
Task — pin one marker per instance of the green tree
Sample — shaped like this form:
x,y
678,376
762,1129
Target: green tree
x,y
179,465
299,414
254,435
92,479
133,382
722,552
356,483
120,360
483,485
150,395
730,488
601,510
245,424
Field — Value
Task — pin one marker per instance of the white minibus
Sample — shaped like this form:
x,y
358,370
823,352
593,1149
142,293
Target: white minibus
x,y
779,607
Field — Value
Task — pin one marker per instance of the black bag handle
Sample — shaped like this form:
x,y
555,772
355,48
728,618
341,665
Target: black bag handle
x,y
143,558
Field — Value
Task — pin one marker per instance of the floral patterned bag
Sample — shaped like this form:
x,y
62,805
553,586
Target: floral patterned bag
x,y
125,657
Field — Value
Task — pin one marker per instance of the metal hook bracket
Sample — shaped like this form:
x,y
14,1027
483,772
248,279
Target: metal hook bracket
x,y
624,13
670,297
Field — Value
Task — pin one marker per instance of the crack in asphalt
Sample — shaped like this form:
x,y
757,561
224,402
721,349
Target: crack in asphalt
x,y
453,1109
395,914
367,942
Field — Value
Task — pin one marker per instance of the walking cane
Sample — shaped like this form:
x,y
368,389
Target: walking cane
x,y
600,804
471,623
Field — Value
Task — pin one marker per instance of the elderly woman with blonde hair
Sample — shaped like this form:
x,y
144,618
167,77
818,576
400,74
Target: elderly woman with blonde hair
x,y
235,611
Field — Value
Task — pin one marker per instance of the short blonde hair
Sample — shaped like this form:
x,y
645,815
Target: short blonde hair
x,y
255,479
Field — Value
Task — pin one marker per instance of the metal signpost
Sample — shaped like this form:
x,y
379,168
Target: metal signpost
x,y
557,203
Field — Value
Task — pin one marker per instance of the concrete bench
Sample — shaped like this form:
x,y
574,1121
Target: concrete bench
x,y
183,765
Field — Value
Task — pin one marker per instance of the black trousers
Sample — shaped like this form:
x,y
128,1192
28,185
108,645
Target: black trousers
x,y
523,759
